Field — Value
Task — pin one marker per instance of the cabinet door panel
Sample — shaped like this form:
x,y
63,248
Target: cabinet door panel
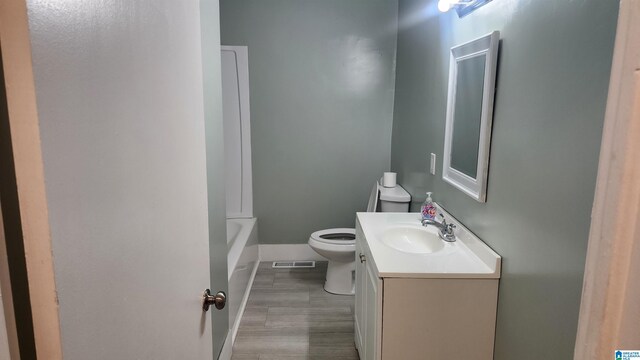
x,y
359,311
371,308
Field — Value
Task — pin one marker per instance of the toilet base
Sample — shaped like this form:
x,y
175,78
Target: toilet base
x,y
340,278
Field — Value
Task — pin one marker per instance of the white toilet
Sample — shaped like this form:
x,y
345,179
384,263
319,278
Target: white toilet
x,y
339,245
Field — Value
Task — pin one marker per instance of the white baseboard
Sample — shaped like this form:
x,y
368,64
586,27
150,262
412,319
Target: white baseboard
x,y
273,252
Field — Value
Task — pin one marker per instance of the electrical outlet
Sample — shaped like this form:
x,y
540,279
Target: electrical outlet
x,y
432,168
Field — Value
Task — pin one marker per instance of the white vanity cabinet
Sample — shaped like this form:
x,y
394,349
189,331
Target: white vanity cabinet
x,y
423,315
368,305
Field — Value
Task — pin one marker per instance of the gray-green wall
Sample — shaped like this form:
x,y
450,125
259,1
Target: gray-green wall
x,y
322,87
553,73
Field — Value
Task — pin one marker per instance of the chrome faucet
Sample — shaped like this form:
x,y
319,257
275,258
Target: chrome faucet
x,y
445,230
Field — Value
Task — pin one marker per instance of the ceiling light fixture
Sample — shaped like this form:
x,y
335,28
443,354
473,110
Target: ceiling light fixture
x,y
463,7
446,5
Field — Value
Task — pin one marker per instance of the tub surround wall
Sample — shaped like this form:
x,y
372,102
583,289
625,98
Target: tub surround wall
x,y
553,72
321,85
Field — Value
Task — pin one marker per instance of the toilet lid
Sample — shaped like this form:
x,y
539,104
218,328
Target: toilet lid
x,y
338,236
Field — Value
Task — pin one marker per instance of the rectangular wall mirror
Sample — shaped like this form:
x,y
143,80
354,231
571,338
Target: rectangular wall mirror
x,y
472,74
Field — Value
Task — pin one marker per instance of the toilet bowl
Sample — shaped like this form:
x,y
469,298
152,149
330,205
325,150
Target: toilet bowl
x,y
339,245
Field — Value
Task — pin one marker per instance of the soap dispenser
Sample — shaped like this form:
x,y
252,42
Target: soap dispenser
x,y
428,209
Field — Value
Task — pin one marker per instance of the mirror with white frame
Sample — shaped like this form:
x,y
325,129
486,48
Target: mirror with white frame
x,y
472,75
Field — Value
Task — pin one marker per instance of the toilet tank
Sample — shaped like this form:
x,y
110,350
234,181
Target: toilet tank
x,y
395,199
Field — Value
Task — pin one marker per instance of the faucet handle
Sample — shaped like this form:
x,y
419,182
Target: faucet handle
x,y
450,228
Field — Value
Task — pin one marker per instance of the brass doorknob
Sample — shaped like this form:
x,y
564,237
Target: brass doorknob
x,y
218,300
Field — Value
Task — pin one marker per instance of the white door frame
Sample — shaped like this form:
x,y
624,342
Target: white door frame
x,y
610,312
25,137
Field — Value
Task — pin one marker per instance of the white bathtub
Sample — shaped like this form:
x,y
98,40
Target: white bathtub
x,y
242,262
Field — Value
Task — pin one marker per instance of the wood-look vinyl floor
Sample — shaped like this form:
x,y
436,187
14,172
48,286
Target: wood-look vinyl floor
x,y
289,316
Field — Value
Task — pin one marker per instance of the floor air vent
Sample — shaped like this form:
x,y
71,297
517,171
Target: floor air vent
x,y
293,264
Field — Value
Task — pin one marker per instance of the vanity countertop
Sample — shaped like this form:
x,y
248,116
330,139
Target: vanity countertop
x,y
467,257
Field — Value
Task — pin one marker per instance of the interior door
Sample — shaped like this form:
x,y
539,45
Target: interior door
x,y
122,159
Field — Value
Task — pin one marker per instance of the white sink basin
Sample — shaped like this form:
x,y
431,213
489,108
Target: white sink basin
x,y
399,247
412,240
